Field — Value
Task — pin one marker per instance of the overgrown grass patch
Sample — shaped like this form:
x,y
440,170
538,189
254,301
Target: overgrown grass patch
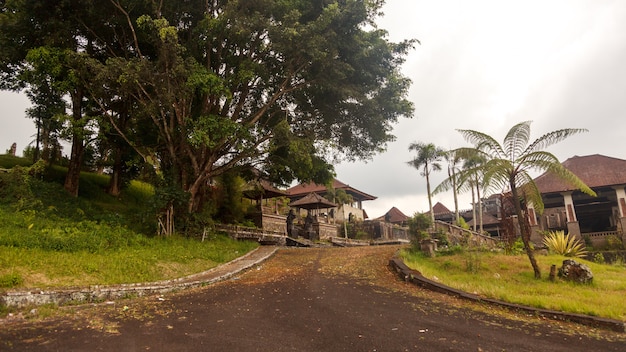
x,y
510,278
51,239
154,260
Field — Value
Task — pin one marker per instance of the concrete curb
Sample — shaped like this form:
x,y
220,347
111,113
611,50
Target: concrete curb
x,y
34,297
416,278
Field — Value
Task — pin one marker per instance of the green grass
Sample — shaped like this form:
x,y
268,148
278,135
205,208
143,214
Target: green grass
x,y
156,259
510,278
8,161
50,239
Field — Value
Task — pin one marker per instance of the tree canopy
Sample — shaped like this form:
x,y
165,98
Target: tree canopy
x,y
199,88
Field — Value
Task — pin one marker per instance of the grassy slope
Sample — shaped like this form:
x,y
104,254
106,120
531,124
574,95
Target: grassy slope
x,y
510,278
48,239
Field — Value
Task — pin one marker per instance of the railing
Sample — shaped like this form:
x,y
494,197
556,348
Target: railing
x,y
603,234
250,233
458,234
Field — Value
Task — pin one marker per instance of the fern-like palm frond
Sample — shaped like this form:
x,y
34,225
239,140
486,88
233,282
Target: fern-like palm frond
x,y
551,138
483,142
516,140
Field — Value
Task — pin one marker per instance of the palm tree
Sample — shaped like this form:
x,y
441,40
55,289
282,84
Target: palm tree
x,y
453,160
468,178
508,166
475,181
427,160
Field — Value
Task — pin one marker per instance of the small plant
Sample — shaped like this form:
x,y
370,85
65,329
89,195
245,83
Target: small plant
x,y
462,224
442,238
473,261
598,258
560,243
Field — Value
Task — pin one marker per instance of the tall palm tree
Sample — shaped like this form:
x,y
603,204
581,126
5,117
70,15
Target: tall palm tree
x,y
508,166
469,178
476,182
453,160
428,159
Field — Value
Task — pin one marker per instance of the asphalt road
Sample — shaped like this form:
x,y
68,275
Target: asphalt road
x,y
332,299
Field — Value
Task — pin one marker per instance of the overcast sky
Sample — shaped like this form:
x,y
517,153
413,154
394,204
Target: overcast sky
x,y
481,65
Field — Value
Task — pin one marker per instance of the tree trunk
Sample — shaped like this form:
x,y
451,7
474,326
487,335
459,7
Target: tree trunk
x,y
430,201
115,188
524,229
480,207
473,209
78,147
456,197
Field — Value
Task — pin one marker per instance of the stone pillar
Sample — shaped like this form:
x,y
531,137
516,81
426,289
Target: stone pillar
x,y
573,227
621,203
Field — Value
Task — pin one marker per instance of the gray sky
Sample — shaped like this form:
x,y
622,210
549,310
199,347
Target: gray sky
x,y
482,65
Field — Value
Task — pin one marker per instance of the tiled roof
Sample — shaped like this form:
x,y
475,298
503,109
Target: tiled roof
x,y
394,215
488,219
439,208
313,201
594,170
306,188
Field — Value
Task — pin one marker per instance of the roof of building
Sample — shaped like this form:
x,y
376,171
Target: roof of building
x,y
439,208
306,188
394,215
594,170
313,201
262,189
488,219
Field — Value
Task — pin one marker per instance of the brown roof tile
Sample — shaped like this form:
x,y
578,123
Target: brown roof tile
x,y
306,188
394,215
594,170
439,208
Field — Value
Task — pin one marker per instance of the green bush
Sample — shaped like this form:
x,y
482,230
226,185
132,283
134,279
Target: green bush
x,y
418,225
442,239
515,248
598,258
462,224
614,243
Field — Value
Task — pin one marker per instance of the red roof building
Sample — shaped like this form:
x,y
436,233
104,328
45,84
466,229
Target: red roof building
x,y
394,216
568,209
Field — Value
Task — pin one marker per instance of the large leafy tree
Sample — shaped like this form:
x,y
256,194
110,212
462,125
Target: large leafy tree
x,y
274,84
428,159
200,88
508,166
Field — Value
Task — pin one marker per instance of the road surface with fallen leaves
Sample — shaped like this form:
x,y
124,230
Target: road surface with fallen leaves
x,y
325,299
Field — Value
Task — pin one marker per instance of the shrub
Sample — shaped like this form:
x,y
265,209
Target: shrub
x,y
614,242
560,243
418,225
462,224
442,238
598,258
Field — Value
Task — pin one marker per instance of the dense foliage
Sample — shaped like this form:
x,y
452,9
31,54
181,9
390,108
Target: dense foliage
x,y
195,89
